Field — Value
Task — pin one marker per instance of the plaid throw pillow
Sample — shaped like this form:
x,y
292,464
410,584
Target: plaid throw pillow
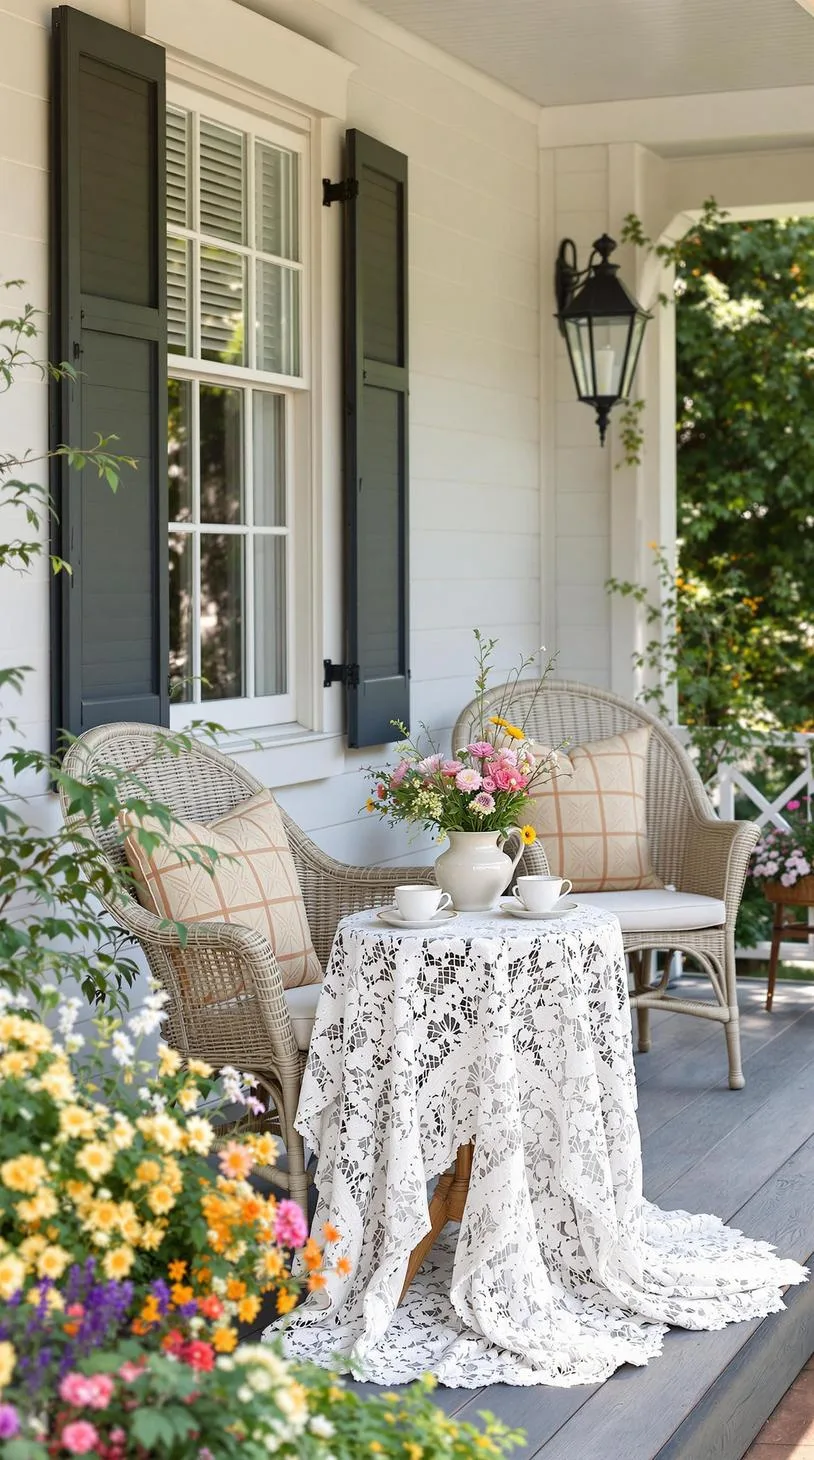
x,y
590,817
253,882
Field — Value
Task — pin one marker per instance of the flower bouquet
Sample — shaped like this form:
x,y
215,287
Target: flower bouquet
x,y
783,860
135,1248
482,788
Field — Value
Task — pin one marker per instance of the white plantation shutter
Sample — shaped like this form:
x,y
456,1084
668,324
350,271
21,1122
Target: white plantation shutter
x,y
178,168
277,189
178,342
223,207
223,292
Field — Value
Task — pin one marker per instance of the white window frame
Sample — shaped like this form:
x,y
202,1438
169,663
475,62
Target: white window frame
x,y
252,711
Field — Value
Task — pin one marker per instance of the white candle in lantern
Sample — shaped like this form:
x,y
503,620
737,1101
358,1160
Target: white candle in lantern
x,y
604,362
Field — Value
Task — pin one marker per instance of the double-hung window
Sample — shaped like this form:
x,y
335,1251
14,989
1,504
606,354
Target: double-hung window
x,y
236,301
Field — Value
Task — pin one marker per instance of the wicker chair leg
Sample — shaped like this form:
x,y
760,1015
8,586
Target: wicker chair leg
x,y
297,1176
733,1028
640,965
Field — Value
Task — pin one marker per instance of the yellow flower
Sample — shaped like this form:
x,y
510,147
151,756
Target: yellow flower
x,y
58,1083
104,1215
528,835
513,731
162,1129
370,804
375,1448
38,1208
413,1451
17,1063
76,1123
80,1192
271,1264
224,1340
189,1097
265,1147
31,1247
248,1309
200,1068
199,1135
33,1034
52,1263
160,1200
286,1301
23,1173
152,1235
95,1159
122,1135
169,1060
12,1275
171,1174
129,1224
8,1359
147,1172
118,1262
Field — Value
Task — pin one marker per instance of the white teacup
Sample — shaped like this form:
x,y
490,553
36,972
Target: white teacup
x,y
418,904
540,894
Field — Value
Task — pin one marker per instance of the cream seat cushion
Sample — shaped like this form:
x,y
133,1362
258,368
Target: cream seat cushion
x,y
302,1006
590,816
253,881
658,911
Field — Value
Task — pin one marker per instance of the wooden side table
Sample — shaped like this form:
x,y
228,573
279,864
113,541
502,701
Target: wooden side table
x,y
785,926
447,1205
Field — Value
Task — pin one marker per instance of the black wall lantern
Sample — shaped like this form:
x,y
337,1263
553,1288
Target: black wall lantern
x,y
602,324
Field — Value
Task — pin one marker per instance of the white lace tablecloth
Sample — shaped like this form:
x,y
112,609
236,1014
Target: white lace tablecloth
x,y
514,1035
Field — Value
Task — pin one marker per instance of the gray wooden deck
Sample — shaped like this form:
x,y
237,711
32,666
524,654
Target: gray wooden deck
x,y
748,1156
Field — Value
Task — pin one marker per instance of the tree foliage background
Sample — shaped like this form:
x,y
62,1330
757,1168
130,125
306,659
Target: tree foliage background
x,y
745,405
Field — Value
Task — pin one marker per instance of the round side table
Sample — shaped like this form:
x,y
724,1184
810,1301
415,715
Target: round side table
x,y
785,925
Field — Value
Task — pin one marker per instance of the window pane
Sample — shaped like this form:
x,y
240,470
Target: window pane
x,y
181,610
178,190
223,209
221,616
270,615
277,188
180,482
178,332
223,290
221,410
268,430
278,319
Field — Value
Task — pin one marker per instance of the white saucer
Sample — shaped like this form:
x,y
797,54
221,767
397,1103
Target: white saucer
x,y
559,910
392,917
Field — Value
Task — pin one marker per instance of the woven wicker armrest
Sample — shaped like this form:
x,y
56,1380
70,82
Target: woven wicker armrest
x,y
717,858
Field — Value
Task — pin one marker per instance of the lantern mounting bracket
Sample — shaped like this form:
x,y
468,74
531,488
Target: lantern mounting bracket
x,y
568,276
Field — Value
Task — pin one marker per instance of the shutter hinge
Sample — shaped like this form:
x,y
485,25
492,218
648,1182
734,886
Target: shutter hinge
x,y
347,674
339,192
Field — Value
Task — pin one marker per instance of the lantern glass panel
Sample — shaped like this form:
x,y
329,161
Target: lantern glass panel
x,y
636,337
578,340
610,348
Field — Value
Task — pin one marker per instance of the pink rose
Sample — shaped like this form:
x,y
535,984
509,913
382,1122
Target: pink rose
x,y
399,773
488,784
75,1389
468,780
290,1227
481,749
507,777
429,765
451,767
102,1386
80,1437
792,805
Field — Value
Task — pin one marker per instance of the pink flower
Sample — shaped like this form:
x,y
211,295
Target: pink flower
x,y
468,780
75,1389
102,1386
429,765
130,1372
792,805
9,1422
399,774
482,804
788,879
488,784
507,777
290,1227
803,867
451,767
481,749
80,1437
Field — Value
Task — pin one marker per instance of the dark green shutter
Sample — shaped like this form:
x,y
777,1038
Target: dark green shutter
x,y
376,474
110,619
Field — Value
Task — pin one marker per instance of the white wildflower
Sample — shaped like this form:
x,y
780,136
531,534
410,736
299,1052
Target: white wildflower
x,y
321,1426
121,1048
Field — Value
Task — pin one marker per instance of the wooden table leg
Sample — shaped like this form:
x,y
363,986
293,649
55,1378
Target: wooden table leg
x,y
777,935
447,1205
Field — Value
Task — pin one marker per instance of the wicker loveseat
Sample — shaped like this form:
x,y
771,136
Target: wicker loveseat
x,y
701,860
227,1004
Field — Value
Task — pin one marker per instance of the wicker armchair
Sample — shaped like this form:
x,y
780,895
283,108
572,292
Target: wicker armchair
x,y
226,1004
692,850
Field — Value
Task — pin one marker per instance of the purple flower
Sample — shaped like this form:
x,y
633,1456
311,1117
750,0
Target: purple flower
x,y
161,1291
9,1422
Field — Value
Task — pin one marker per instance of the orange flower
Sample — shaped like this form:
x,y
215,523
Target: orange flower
x,y
330,1232
150,1313
181,1294
236,1161
251,1209
272,1264
344,1266
235,1290
248,1309
286,1301
224,1340
316,1281
311,1255
177,1271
